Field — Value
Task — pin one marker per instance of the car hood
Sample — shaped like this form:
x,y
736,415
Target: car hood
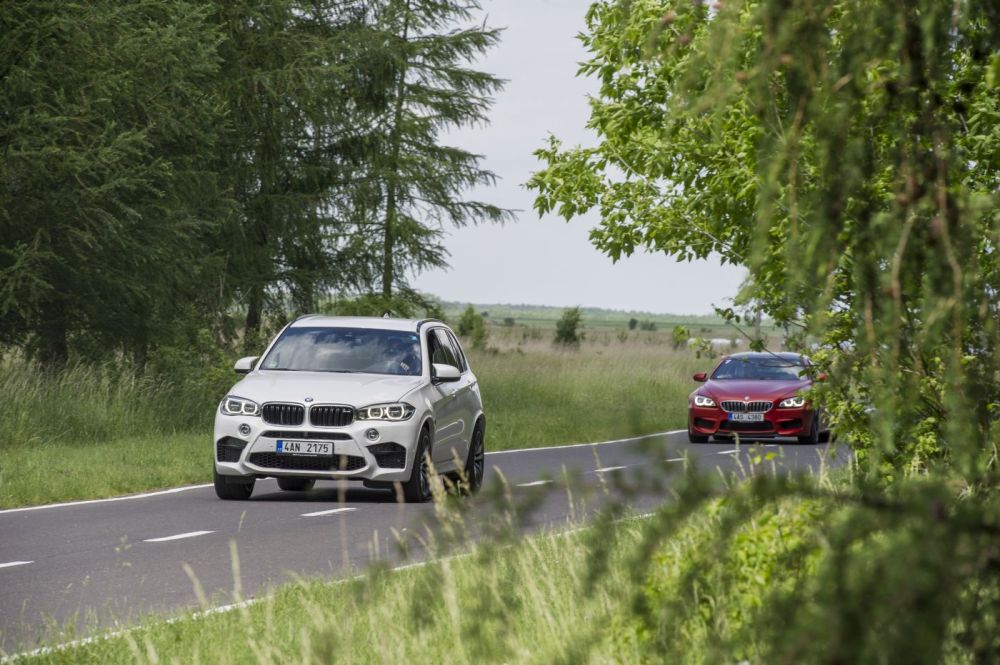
x,y
741,389
324,387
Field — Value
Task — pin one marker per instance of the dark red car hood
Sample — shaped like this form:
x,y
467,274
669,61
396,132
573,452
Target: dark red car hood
x,y
741,389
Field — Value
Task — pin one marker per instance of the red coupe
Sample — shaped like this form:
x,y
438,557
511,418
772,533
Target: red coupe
x,y
755,395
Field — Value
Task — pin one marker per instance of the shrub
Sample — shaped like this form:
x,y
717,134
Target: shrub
x,y
679,337
472,327
567,328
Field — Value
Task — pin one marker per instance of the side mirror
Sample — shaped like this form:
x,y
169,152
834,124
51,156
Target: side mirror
x,y
245,365
444,373
822,376
701,377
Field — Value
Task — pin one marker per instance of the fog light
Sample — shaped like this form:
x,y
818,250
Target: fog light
x,y
372,435
245,429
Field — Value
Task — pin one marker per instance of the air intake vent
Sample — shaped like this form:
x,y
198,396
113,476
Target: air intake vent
x,y
228,449
284,414
307,463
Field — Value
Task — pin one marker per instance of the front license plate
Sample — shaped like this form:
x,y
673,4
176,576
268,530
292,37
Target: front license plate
x,y
747,417
283,447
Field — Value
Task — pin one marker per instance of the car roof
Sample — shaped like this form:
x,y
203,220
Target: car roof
x,y
754,355
373,322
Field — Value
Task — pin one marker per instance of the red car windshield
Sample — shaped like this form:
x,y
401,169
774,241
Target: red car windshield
x,y
761,368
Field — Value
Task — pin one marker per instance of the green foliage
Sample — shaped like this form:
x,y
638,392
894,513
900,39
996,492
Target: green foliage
x,y
472,327
649,326
168,163
413,184
405,305
846,153
679,337
632,323
107,201
567,328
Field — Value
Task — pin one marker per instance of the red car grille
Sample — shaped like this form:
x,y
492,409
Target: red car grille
x,y
732,406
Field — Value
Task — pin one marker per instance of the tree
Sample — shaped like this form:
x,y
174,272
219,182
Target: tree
x,y
567,328
107,124
846,154
415,186
633,323
679,337
472,326
299,80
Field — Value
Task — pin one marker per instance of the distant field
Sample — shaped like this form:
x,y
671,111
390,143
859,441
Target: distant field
x,y
595,318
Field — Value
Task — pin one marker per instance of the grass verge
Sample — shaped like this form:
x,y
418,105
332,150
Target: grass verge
x,y
50,472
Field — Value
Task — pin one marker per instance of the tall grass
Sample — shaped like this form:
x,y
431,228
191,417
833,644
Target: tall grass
x,y
542,396
90,403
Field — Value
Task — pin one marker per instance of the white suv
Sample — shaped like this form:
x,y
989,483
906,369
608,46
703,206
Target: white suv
x,y
352,398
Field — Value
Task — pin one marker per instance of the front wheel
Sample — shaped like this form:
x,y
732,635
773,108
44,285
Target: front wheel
x,y
475,463
696,438
813,437
232,488
418,488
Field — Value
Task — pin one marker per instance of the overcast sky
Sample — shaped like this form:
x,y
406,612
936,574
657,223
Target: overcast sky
x,y
548,261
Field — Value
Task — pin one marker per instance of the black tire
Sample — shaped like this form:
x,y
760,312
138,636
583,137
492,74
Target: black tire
x,y
232,488
696,438
296,484
813,437
418,488
475,463
826,436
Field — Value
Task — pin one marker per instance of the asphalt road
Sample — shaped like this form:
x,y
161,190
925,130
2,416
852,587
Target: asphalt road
x,y
101,564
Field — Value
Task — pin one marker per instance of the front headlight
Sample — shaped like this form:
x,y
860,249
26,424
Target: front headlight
x,y
394,412
792,403
701,400
238,406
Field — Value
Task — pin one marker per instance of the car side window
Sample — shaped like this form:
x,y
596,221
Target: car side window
x,y
459,352
442,351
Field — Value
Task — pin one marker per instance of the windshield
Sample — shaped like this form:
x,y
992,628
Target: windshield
x,y
346,350
761,368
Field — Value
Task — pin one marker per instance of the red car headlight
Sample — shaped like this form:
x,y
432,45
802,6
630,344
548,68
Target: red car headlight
x,y
792,403
702,400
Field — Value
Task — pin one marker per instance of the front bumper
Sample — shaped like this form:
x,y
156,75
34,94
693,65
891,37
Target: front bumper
x,y
777,422
387,459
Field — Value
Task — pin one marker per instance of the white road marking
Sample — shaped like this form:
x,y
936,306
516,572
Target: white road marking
x,y
606,469
127,497
675,459
579,445
328,512
535,483
11,564
179,536
728,452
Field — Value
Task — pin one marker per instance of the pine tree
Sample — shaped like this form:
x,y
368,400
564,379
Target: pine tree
x,y
106,119
416,186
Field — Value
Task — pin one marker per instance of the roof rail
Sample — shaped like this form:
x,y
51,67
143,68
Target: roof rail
x,y
303,316
421,322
